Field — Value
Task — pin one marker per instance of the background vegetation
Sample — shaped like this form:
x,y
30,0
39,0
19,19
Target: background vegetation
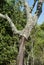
x,y
9,42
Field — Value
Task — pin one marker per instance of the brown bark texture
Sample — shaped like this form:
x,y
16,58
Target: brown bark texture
x,y
20,57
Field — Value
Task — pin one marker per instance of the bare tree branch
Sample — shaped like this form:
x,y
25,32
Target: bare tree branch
x,y
3,16
31,21
39,7
34,5
14,29
25,31
27,7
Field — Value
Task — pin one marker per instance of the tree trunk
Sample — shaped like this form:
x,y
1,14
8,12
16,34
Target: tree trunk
x,y
20,58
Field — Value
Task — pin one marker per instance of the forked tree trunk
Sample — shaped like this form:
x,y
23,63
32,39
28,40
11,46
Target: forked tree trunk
x,y
31,21
20,57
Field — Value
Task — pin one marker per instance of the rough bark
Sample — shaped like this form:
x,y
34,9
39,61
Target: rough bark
x,y
20,57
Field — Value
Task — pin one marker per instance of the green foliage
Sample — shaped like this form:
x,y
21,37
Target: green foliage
x,y
35,44
9,42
